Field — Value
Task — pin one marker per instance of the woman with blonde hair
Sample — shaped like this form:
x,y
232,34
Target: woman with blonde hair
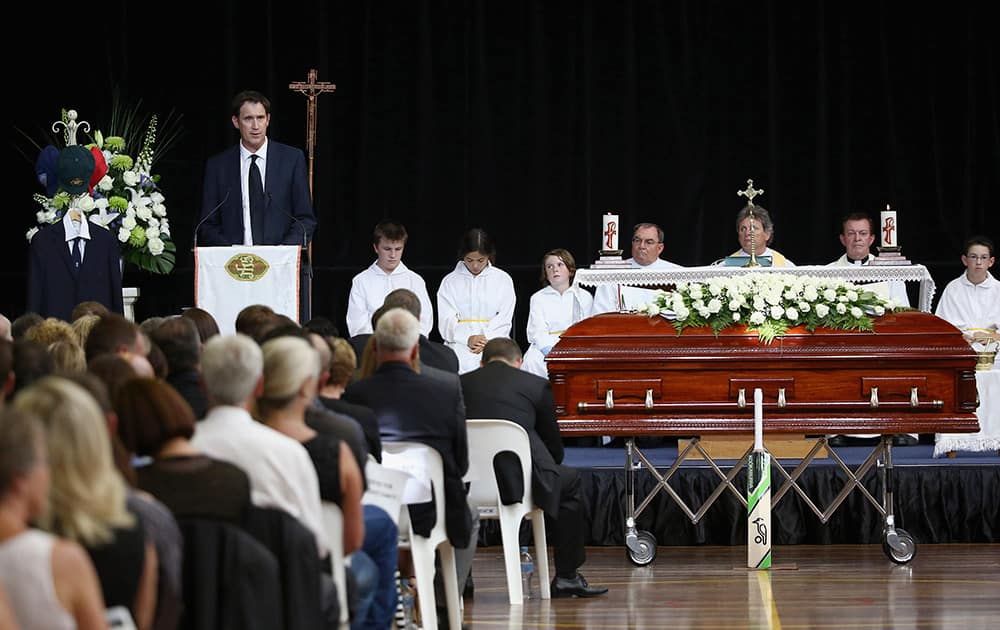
x,y
87,500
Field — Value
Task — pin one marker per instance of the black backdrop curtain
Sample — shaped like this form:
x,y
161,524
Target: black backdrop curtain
x,y
531,119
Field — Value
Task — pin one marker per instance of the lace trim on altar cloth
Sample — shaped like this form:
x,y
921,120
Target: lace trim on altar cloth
x,y
852,273
973,443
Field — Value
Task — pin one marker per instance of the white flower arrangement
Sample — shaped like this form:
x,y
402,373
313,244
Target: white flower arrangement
x,y
126,199
769,304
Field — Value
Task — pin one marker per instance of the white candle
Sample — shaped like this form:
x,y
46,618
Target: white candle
x,y
758,419
889,228
609,232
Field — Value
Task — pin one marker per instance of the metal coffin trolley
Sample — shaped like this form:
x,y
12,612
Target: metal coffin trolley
x,y
630,375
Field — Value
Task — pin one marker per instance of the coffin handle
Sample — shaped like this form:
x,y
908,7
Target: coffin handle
x,y
781,398
609,399
741,398
914,399
649,399
874,400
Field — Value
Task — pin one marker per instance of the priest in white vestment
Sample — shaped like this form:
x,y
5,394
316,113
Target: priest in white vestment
x,y
857,238
763,234
647,245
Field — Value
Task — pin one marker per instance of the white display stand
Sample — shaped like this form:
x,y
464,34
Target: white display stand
x,y
130,295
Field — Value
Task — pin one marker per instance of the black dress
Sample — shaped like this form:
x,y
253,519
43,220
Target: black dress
x,y
197,486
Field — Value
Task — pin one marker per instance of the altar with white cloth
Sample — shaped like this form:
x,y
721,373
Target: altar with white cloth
x,y
859,274
988,438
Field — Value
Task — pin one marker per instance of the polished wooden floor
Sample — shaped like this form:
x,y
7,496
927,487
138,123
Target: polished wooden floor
x,y
836,586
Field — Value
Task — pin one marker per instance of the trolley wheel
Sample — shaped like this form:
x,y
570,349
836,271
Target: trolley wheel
x,y
902,549
645,549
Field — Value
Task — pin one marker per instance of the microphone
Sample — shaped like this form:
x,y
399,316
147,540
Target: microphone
x,y
205,218
297,221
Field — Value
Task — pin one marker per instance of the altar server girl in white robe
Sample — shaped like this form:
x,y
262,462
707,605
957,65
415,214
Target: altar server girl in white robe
x,y
554,308
475,301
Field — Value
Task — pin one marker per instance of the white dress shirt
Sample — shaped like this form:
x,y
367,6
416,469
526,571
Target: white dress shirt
x,y
550,314
245,161
368,291
74,229
281,472
474,305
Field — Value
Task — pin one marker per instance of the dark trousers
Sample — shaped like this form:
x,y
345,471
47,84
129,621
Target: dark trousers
x,y
570,527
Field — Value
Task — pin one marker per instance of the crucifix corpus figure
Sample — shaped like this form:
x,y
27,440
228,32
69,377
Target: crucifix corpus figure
x,y
311,88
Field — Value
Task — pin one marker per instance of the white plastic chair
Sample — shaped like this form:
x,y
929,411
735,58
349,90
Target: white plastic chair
x,y
400,455
487,438
333,523
119,618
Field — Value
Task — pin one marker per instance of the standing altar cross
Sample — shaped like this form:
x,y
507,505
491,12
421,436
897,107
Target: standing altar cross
x,y
311,88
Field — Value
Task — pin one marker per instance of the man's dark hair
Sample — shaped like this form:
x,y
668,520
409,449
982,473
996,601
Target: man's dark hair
x,y
501,348
88,308
207,326
390,231
642,226
21,325
322,326
110,334
857,216
978,239
250,96
255,320
178,338
403,298
32,362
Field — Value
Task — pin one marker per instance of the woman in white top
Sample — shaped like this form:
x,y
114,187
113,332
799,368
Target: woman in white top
x,y
49,581
554,308
475,301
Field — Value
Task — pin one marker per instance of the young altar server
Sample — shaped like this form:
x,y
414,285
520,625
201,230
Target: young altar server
x,y
554,308
386,274
475,301
972,301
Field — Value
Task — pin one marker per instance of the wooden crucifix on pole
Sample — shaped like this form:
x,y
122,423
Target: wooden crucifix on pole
x,y
311,88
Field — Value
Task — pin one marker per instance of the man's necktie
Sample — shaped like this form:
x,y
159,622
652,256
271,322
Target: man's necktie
x,y
77,256
257,204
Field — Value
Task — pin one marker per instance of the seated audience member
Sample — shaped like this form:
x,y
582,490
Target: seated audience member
x,y
857,237
83,325
5,328
154,356
114,334
322,326
148,325
762,235
647,245
67,356
32,362
23,323
178,338
6,370
50,582
554,308
203,321
340,369
114,371
157,521
369,288
88,308
500,389
154,421
475,301
51,330
255,321
291,376
972,301
88,499
281,473
418,408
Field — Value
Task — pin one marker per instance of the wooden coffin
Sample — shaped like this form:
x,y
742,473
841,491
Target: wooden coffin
x,y
621,374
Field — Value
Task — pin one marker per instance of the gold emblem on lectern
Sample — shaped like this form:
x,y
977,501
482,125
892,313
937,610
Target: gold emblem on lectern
x,y
247,267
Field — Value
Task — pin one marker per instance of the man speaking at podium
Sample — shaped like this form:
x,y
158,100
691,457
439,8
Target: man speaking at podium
x,y
257,192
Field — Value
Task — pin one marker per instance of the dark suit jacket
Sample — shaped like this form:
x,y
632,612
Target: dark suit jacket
x,y
286,189
53,290
365,418
432,353
500,391
416,408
